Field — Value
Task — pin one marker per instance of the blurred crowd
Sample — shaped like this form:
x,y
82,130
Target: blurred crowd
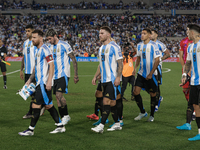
x,y
36,5
82,31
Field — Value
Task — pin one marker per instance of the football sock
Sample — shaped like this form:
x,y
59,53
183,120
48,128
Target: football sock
x,y
153,104
119,106
4,79
96,109
189,113
105,113
186,93
158,95
198,123
114,113
138,100
30,108
100,104
54,114
36,115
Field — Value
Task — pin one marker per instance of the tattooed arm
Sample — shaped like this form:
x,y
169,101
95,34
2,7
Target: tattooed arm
x,y
31,77
21,70
119,72
71,55
186,70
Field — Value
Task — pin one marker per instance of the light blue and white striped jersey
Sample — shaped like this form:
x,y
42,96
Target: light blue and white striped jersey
x,y
108,56
162,47
194,56
29,56
61,59
147,53
43,56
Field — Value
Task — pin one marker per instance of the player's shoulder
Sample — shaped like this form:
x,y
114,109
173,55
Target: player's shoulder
x,y
159,42
152,43
184,39
64,43
45,47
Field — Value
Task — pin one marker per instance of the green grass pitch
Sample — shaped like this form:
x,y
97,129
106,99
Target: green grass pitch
x,y
138,135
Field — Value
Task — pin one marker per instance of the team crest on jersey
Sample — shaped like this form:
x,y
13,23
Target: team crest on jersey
x,y
31,45
38,55
194,50
58,50
106,50
28,45
143,49
102,50
54,50
198,50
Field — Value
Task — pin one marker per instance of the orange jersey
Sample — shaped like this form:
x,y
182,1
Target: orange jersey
x,y
127,67
183,47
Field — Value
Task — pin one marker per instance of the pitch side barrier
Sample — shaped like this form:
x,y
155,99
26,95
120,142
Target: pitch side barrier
x,y
91,59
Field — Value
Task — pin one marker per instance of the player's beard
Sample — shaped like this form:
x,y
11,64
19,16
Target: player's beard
x,y
36,43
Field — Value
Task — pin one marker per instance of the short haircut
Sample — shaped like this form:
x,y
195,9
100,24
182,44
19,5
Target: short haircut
x,y
147,29
39,32
154,31
194,27
51,33
29,26
106,28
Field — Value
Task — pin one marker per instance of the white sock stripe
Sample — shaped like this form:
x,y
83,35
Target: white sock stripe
x,y
32,128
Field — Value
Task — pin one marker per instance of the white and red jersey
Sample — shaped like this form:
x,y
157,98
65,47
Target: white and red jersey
x,y
43,56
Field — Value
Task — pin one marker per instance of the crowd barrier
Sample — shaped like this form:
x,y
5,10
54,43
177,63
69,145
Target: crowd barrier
x,y
91,59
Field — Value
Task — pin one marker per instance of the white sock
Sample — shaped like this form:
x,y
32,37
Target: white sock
x,y
32,128
199,131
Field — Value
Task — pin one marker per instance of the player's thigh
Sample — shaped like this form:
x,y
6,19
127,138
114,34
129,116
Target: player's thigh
x,y
194,96
3,67
98,92
60,85
109,90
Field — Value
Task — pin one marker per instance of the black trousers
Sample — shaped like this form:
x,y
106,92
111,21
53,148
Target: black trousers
x,y
125,81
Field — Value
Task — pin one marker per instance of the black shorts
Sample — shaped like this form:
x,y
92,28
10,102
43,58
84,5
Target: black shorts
x,y
42,96
159,76
99,86
3,67
149,85
27,76
194,96
61,85
110,91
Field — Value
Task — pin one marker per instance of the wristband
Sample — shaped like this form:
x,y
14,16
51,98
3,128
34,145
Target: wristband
x,y
184,74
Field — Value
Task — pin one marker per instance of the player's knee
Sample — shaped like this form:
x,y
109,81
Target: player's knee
x,y
112,103
135,92
47,107
152,94
98,93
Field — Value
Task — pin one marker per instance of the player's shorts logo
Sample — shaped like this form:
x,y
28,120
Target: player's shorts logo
x,y
59,89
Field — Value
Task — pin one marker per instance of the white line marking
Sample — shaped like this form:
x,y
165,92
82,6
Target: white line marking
x,y
11,72
167,70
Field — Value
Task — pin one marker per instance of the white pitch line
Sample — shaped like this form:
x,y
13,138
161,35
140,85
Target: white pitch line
x,y
168,70
11,72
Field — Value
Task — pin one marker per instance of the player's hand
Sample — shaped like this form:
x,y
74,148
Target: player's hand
x,y
28,82
94,81
149,77
117,81
76,79
48,86
183,80
22,75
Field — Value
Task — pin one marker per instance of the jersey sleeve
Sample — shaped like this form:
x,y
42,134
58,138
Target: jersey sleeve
x,y
181,46
117,52
138,50
47,54
164,48
156,51
67,48
188,53
24,48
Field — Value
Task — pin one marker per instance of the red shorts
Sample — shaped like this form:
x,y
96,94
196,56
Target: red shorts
x,y
186,86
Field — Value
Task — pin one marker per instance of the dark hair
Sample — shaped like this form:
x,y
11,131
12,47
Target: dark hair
x,y
147,29
194,27
29,26
39,32
51,33
154,31
106,28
